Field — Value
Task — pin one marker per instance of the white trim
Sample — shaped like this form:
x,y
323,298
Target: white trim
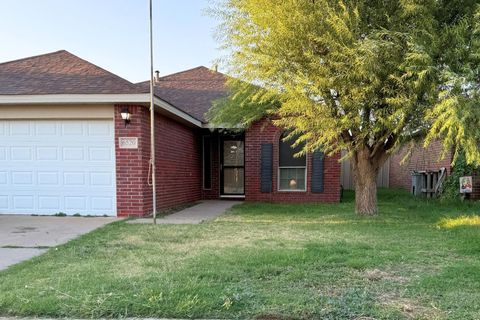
x,y
175,111
226,196
97,98
73,98
115,182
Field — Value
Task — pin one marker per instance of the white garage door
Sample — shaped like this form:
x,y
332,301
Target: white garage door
x,y
47,167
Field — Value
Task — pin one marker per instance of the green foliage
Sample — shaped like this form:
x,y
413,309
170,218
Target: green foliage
x,y
248,99
355,75
456,115
460,168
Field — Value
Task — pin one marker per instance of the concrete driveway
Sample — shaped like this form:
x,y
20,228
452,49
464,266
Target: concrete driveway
x,y
24,237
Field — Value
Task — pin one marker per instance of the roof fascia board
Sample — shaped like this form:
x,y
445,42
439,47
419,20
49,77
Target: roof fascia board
x,y
97,98
73,98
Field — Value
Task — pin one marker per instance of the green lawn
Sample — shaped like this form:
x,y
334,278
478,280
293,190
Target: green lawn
x,y
418,259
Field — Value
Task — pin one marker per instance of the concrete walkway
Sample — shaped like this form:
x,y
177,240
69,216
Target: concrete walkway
x,y
23,237
204,211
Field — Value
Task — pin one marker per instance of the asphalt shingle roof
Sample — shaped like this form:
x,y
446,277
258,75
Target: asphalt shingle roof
x,y
59,73
191,91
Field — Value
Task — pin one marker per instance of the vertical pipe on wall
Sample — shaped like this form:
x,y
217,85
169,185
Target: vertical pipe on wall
x,y
152,122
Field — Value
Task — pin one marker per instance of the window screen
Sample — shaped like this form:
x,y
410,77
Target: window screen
x,y
291,170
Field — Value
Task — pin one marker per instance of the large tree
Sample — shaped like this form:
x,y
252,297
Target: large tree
x,y
366,76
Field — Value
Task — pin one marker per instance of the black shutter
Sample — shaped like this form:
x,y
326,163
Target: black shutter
x,y
317,171
266,168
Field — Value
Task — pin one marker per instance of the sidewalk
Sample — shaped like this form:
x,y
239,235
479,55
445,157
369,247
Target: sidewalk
x,y
204,211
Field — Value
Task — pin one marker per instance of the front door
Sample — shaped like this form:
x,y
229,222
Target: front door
x,y
232,167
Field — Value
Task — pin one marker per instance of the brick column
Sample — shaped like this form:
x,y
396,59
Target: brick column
x,y
134,196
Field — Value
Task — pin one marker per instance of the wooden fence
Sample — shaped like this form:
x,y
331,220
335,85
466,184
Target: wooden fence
x,y
348,183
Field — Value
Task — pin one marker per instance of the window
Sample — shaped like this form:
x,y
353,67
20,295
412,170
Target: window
x,y
207,162
292,171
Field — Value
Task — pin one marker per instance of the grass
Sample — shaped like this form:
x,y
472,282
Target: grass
x,y
419,259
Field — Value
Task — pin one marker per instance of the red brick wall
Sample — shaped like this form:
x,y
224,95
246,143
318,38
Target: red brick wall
x,y
421,159
177,163
265,132
133,194
178,159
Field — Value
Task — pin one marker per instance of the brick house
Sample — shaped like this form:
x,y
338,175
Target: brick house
x,y
64,146
420,159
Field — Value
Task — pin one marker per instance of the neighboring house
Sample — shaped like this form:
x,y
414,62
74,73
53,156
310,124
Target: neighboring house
x,y
397,170
64,146
420,159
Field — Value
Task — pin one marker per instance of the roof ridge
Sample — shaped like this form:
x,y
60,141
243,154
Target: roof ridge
x,y
184,71
32,57
188,70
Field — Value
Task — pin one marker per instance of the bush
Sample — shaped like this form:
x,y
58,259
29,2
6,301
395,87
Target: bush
x,y
460,169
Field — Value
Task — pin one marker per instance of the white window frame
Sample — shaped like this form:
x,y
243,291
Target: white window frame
x,y
296,167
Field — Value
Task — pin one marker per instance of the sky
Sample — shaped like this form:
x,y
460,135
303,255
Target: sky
x,y
111,33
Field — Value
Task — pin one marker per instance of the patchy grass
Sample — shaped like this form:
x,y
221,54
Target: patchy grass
x,y
417,260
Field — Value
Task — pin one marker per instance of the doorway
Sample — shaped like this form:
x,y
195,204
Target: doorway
x,y
232,166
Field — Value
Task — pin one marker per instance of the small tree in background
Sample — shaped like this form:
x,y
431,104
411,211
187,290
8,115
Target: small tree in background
x,y
363,76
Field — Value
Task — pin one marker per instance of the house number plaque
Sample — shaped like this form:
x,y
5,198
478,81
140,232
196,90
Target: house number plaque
x,y
128,143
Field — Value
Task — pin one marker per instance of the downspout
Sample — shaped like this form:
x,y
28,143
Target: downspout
x,y
152,122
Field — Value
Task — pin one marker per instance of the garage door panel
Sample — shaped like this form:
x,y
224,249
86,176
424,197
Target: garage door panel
x,y
73,179
46,128
76,203
49,203
98,130
102,203
3,202
72,129
20,128
22,178
101,179
47,153
3,177
48,178
73,154
48,167
21,154
100,154
26,202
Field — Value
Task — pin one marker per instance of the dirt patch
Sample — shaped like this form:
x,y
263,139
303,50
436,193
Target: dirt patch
x,y
409,308
379,275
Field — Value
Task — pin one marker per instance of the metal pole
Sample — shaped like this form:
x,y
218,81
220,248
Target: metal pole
x,y
152,121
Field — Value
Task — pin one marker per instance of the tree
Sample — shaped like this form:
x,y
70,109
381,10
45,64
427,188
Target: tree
x,y
366,76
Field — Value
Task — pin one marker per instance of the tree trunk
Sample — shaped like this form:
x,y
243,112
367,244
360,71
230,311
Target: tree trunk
x,y
365,172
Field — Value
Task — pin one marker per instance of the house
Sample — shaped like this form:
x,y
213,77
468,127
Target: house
x,y
64,146
397,170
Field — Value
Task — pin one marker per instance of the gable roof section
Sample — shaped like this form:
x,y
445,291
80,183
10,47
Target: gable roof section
x,y
191,91
61,76
59,73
